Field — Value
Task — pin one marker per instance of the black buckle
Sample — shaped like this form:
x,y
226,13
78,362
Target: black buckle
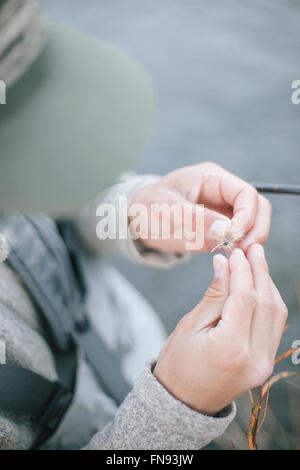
x,y
56,407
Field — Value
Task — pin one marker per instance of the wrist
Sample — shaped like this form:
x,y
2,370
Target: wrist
x,y
197,401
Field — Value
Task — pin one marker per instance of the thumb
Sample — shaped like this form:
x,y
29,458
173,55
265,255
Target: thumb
x,y
211,306
216,227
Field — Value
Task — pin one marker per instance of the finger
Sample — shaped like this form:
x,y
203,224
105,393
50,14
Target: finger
x,y
209,310
241,278
279,320
257,260
260,232
239,308
263,320
245,210
220,190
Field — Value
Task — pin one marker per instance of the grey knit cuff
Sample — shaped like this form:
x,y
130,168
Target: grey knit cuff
x,y
176,425
151,418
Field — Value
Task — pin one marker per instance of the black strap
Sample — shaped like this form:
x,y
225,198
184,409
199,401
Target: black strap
x,y
105,363
25,392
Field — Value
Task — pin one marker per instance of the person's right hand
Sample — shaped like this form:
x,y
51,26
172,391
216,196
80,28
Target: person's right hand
x,y
228,342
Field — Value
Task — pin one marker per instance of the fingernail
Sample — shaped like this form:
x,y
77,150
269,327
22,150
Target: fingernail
x,y
261,251
218,267
219,228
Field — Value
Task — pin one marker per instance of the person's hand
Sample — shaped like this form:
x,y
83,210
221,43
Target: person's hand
x,y
228,342
230,203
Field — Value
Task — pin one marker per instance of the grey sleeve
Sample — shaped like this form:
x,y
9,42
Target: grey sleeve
x,y
151,418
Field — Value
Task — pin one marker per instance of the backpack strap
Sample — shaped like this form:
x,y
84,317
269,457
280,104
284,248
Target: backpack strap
x,y
104,361
40,260
26,392
49,268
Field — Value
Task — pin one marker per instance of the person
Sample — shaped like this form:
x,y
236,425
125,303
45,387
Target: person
x,y
185,398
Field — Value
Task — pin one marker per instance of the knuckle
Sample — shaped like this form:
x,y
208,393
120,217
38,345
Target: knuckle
x,y
267,204
211,168
181,323
284,312
267,304
209,164
260,371
261,237
246,299
184,323
251,191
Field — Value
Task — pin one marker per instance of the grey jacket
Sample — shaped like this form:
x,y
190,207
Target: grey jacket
x,y
149,418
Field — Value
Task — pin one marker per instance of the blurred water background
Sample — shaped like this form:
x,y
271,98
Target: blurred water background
x,y
223,74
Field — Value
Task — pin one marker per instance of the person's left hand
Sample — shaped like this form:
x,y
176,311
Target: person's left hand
x,y
231,205
228,343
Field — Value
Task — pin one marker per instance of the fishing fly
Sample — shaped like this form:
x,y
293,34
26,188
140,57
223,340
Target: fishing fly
x,y
227,244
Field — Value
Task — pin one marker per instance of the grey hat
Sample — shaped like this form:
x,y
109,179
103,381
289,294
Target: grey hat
x,y
78,117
